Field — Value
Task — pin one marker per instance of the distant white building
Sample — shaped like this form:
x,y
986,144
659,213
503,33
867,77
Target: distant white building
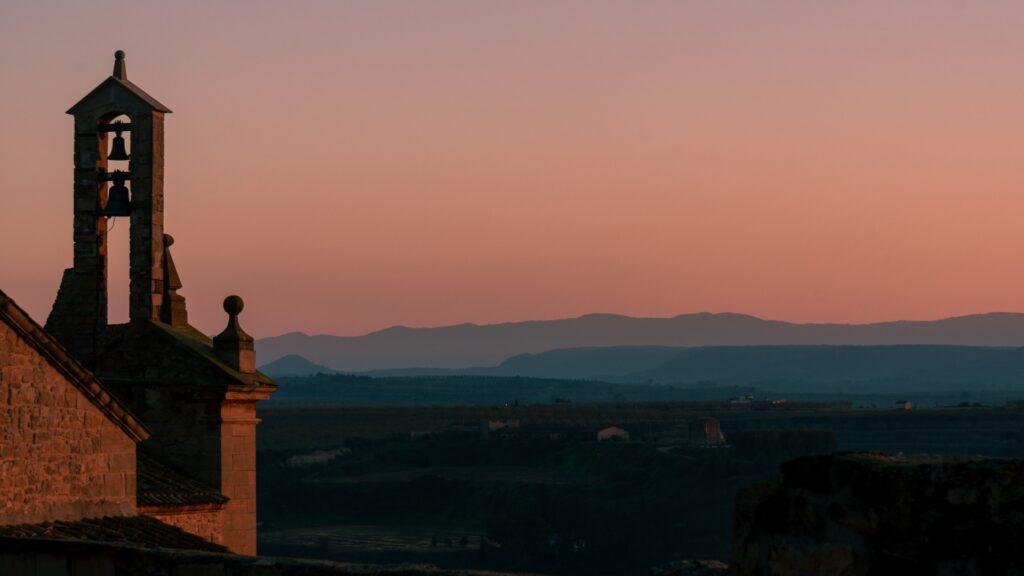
x,y
612,433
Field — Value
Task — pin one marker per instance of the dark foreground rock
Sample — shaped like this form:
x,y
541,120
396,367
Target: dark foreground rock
x,y
853,514
692,568
44,555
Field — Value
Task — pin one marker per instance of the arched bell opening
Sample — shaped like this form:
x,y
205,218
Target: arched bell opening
x,y
115,200
114,133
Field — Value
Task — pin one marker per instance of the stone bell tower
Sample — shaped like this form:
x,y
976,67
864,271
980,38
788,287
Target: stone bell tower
x,y
196,395
80,312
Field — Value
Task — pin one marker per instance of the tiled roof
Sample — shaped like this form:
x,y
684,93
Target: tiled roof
x,y
160,485
156,353
142,531
201,346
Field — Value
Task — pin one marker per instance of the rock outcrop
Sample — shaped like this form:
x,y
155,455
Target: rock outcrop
x,y
853,514
691,568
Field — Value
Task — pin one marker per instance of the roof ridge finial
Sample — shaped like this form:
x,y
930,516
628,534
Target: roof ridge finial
x,y
233,346
120,71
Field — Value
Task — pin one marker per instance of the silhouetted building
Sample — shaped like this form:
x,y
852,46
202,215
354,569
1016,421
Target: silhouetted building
x,y
188,399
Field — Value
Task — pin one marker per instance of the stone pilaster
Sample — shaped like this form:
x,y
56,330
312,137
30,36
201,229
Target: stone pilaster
x,y
147,220
238,473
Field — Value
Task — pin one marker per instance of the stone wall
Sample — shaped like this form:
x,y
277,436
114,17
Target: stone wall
x,y
202,418
184,425
215,442
61,458
206,523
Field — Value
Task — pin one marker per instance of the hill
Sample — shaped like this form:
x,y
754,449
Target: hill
x,y
293,365
853,369
469,345
863,374
352,389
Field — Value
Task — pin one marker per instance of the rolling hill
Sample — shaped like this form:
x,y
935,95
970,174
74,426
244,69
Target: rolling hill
x,y
293,365
945,375
851,369
472,345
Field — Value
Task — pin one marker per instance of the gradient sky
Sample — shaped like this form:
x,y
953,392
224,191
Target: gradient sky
x,y
346,166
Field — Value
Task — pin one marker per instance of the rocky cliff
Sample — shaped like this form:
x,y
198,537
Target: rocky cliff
x,y
871,514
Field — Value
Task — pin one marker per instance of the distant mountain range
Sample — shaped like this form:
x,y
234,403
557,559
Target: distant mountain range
x,y
471,345
845,369
635,373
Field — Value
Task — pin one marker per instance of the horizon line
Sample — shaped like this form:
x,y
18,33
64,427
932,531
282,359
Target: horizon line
x,y
619,315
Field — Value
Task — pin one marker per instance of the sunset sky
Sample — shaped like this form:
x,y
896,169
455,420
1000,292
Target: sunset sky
x,y
347,166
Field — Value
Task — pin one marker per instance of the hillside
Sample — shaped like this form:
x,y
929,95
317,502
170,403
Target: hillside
x,y
293,365
469,345
351,389
853,369
863,374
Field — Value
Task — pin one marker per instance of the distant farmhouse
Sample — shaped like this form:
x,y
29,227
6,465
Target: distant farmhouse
x,y
612,433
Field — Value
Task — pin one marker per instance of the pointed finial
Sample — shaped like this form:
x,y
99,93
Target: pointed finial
x,y
120,72
233,346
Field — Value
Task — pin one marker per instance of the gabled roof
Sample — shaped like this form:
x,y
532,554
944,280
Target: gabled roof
x,y
115,83
143,531
157,353
158,485
75,373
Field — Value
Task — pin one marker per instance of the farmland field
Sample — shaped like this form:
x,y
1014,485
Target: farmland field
x,y
443,545
397,483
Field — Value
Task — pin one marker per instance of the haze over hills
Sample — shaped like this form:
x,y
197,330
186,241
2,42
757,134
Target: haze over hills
x,y
846,369
293,365
864,374
472,345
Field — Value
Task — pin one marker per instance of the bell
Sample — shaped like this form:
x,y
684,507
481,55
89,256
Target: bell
x,y
117,150
118,203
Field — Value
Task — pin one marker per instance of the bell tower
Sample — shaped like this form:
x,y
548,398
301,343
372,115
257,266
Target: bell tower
x,y
112,182
197,395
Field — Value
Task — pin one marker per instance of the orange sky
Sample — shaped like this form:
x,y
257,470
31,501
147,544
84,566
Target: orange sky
x,y
346,166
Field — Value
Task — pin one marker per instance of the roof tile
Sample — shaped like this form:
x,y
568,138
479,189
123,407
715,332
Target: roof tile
x,y
142,531
160,485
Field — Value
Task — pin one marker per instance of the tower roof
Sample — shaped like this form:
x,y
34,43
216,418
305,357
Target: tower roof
x,y
118,83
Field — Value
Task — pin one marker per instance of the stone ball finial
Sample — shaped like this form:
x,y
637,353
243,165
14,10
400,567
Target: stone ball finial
x,y
233,346
120,70
233,305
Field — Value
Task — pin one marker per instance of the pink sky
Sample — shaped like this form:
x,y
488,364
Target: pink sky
x,y
346,166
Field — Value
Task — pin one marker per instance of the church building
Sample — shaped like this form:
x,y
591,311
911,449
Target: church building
x,y
148,418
